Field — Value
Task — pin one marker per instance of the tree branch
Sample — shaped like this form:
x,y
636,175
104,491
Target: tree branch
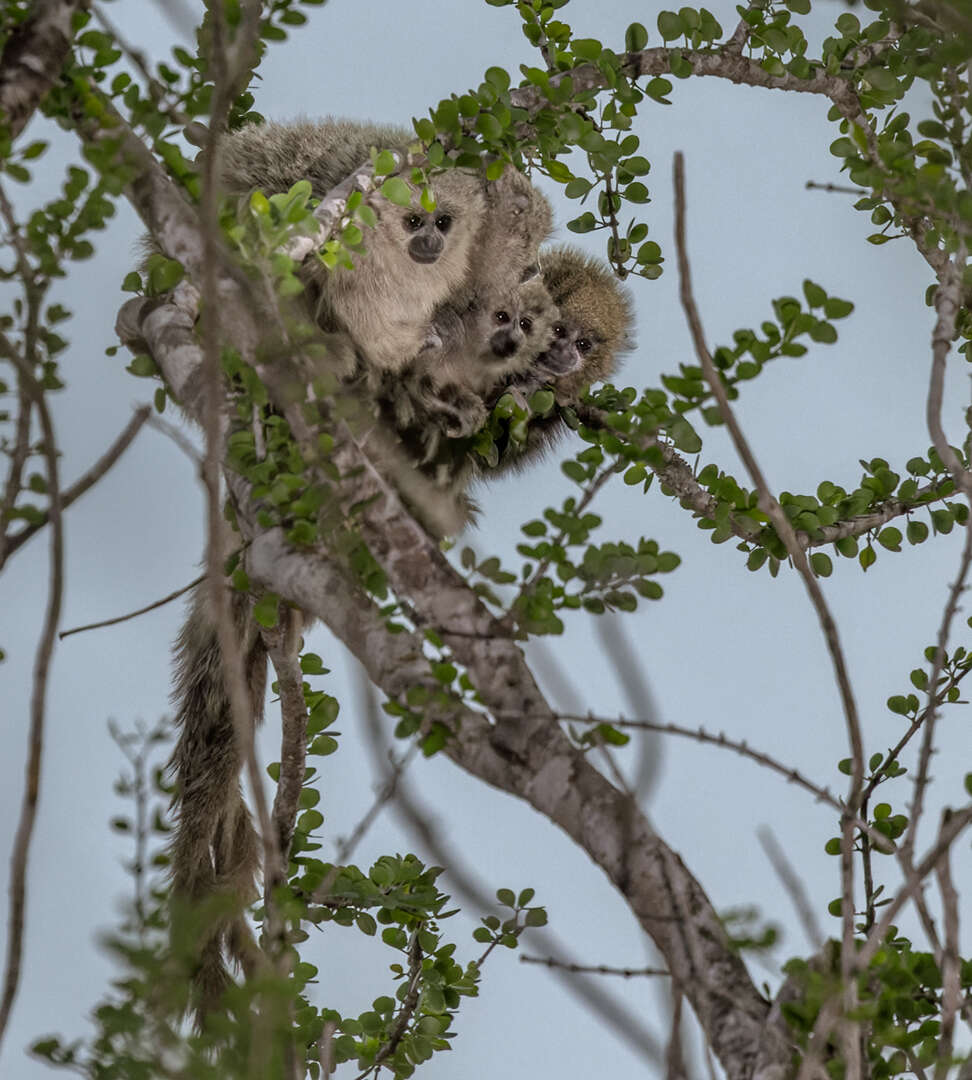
x,y
38,701
33,58
771,507
83,484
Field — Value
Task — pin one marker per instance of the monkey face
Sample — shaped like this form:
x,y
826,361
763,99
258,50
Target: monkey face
x,y
510,333
426,233
572,346
522,323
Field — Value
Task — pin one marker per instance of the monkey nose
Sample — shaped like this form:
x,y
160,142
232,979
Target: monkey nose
x,y
502,344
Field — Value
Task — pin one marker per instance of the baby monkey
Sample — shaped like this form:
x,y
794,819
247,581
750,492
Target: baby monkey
x,y
447,391
591,334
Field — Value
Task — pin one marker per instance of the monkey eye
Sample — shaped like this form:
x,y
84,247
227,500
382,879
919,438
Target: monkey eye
x,y
560,330
443,223
526,324
413,222
584,345
502,317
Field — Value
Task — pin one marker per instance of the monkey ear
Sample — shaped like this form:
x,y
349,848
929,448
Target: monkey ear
x,y
532,271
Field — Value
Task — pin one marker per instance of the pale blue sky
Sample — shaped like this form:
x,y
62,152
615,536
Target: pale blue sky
x,y
724,648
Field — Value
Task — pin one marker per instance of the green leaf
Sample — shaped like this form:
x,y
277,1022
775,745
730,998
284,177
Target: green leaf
x,y
669,25
917,532
635,37
890,538
164,275
142,366
684,436
506,897
821,564
266,610
396,191
837,309
311,664
587,48
816,297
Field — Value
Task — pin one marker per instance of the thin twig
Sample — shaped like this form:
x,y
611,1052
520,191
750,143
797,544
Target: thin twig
x,y
407,1011
38,701
87,481
814,185
740,747
593,487
282,644
592,969
830,1015
134,614
924,757
158,91
740,36
950,963
895,752
952,828
675,1055
18,458
771,507
947,303
385,795
631,671
792,884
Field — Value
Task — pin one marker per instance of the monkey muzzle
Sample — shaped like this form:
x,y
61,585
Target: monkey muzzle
x,y
425,248
504,343
560,359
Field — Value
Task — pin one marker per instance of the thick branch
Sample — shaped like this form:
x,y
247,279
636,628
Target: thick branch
x,y
33,58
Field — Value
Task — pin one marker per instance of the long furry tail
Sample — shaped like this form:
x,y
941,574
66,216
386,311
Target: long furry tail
x,y
214,853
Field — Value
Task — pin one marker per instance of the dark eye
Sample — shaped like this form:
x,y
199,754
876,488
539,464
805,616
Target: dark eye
x,y
526,325
443,222
413,222
502,317
560,330
584,345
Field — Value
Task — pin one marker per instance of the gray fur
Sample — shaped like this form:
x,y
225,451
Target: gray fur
x,y
214,851
593,332
386,302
